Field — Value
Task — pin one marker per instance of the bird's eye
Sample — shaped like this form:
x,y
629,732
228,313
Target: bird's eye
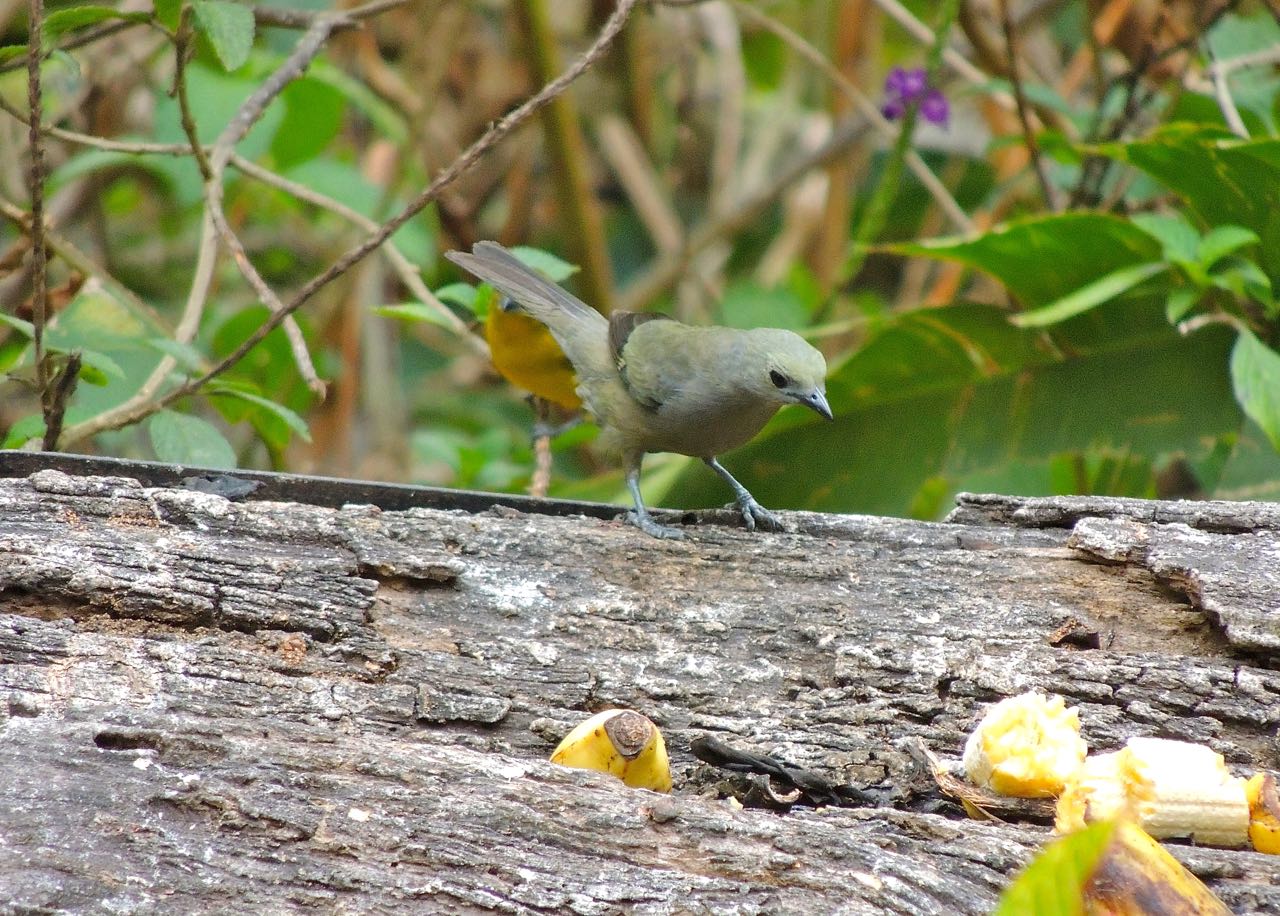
x,y
779,380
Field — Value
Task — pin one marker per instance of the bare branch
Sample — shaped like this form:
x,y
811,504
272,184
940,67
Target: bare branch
x,y
65,249
460,165
1051,198
667,269
867,108
222,151
1222,93
39,256
404,268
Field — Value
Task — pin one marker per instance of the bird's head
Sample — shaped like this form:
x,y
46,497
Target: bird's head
x,y
789,370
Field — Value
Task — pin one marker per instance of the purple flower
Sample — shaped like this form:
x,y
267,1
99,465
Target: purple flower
x,y
905,83
934,108
907,87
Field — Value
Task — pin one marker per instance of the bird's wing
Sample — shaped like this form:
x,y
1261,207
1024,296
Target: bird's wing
x,y
656,359
581,331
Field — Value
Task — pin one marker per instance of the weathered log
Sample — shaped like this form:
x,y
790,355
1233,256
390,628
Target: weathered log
x,y
268,706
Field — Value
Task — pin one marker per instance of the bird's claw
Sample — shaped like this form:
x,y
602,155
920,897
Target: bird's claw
x,y
757,516
646,524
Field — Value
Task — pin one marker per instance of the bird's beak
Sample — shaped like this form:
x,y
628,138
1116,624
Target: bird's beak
x,y
817,401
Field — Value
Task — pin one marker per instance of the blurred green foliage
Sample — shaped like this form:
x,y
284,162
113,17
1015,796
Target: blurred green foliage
x,y
1125,344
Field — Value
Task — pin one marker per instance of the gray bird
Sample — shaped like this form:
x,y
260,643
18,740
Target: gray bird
x,y
654,384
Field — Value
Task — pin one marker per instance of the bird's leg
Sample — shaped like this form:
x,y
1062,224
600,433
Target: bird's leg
x,y
753,513
640,516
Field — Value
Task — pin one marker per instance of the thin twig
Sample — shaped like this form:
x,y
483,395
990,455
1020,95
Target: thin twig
x,y
469,157
307,49
876,212
78,41
65,249
1038,163
1222,92
580,213
404,268
867,108
668,268
262,15
181,51
626,155
304,19
39,255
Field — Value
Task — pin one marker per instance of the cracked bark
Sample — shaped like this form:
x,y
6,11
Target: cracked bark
x,y
345,708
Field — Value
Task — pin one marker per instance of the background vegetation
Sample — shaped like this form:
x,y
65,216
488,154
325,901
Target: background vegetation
x,y
1067,287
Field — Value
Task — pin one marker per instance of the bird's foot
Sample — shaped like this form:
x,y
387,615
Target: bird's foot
x,y
757,516
646,524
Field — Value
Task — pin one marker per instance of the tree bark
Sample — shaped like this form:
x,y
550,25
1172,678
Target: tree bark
x,y
272,706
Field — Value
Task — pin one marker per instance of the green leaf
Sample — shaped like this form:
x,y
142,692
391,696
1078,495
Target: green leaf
x,y
1255,374
961,394
60,22
168,13
180,438
25,328
1053,884
313,114
460,294
290,418
553,268
229,27
185,355
1043,259
99,361
1180,302
1089,296
1222,241
1180,240
29,427
764,56
1223,179
414,311
1246,280
749,305
93,375
12,52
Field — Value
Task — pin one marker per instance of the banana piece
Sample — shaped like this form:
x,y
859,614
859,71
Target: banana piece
x,y
1171,788
1138,877
1026,746
620,742
1264,813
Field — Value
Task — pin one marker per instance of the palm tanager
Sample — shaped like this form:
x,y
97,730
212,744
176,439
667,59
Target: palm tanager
x,y
654,384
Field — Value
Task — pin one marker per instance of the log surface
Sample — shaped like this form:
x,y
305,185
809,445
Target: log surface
x,y
274,707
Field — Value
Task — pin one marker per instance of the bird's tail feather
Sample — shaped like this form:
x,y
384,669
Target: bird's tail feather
x,y
543,299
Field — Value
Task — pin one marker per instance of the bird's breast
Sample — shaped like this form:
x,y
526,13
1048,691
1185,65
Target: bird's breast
x,y
706,429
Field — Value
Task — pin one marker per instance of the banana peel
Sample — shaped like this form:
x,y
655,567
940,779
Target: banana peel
x,y
1264,813
1136,876
620,742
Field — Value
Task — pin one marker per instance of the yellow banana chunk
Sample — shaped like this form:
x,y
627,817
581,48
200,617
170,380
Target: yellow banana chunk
x,y
1171,788
1138,877
1026,746
622,743
1264,813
